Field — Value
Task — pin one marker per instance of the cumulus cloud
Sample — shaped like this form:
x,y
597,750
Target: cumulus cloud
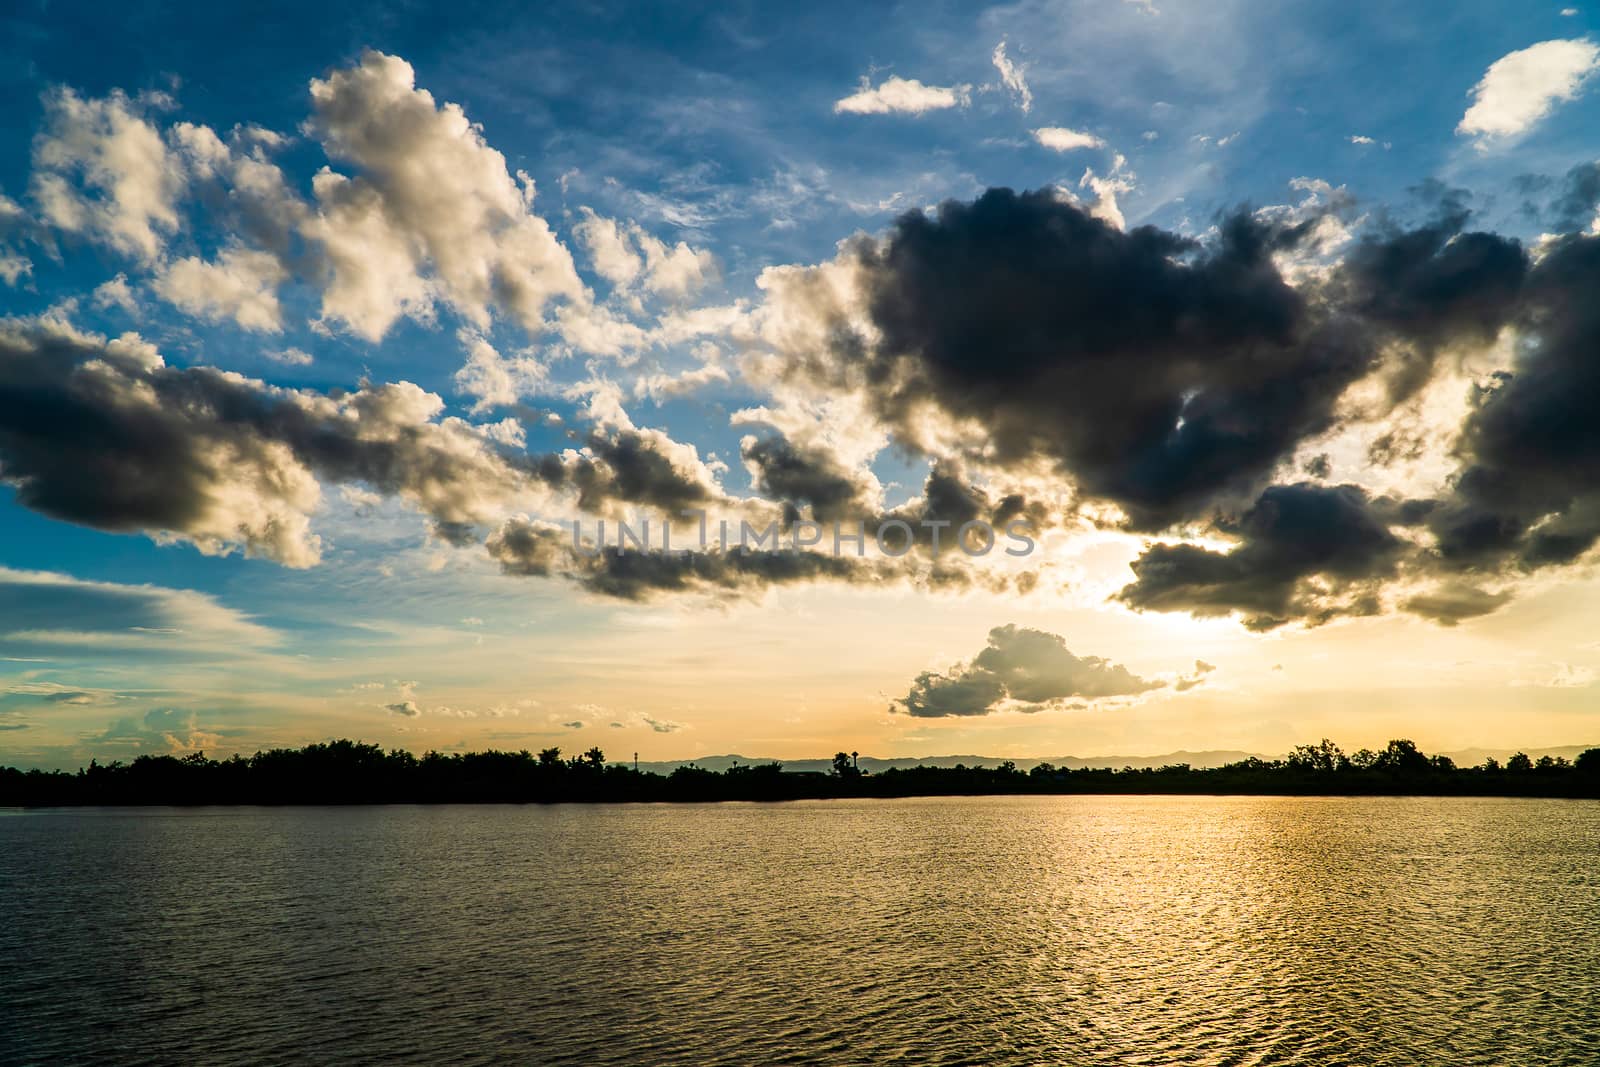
x,y
662,386
1306,553
102,169
1061,139
1153,370
1528,491
623,254
1014,77
493,380
1158,373
1522,88
902,96
116,293
431,211
1020,669
104,433
530,548
240,285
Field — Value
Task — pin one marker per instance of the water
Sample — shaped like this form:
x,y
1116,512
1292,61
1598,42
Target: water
x,y
1038,930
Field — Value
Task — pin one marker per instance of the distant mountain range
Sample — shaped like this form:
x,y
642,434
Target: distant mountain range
x,y
1468,757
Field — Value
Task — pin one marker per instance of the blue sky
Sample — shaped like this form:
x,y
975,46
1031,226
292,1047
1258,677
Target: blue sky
x,y
718,131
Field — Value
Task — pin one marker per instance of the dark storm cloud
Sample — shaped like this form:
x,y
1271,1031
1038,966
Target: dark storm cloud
x,y
1435,283
529,548
1429,287
1170,375
1160,372
1575,208
798,476
1028,669
1528,492
1152,369
1453,602
106,434
1306,553
622,467
631,466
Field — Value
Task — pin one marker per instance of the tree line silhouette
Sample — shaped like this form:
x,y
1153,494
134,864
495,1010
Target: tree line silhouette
x,y
352,772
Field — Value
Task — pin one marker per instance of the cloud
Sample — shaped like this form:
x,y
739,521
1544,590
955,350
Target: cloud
x,y
291,357
1061,139
1528,490
1159,374
659,387
241,285
493,380
902,96
1306,553
163,730
1567,676
1454,602
1360,139
610,250
429,195
1521,89
1013,77
800,476
527,547
1020,669
405,708
662,726
116,293
61,616
105,434
623,253
101,169
1153,370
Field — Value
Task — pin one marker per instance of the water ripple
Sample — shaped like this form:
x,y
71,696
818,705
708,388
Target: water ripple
x,y
1034,930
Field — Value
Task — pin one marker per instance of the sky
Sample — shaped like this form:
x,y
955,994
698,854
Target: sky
x,y
1256,336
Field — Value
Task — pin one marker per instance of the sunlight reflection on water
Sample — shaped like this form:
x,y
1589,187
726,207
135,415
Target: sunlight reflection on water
x,y
1082,930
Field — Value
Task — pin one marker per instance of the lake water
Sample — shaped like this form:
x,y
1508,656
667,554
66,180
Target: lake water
x,y
1075,930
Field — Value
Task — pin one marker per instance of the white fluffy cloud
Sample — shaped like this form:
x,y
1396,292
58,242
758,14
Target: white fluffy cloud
x,y
903,95
432,211
493,380
623,254
102,170
1061,139
610,251
242,284
1522,88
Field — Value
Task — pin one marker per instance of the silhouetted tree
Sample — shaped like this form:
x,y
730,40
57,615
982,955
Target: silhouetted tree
x,y
344,772
1324,757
